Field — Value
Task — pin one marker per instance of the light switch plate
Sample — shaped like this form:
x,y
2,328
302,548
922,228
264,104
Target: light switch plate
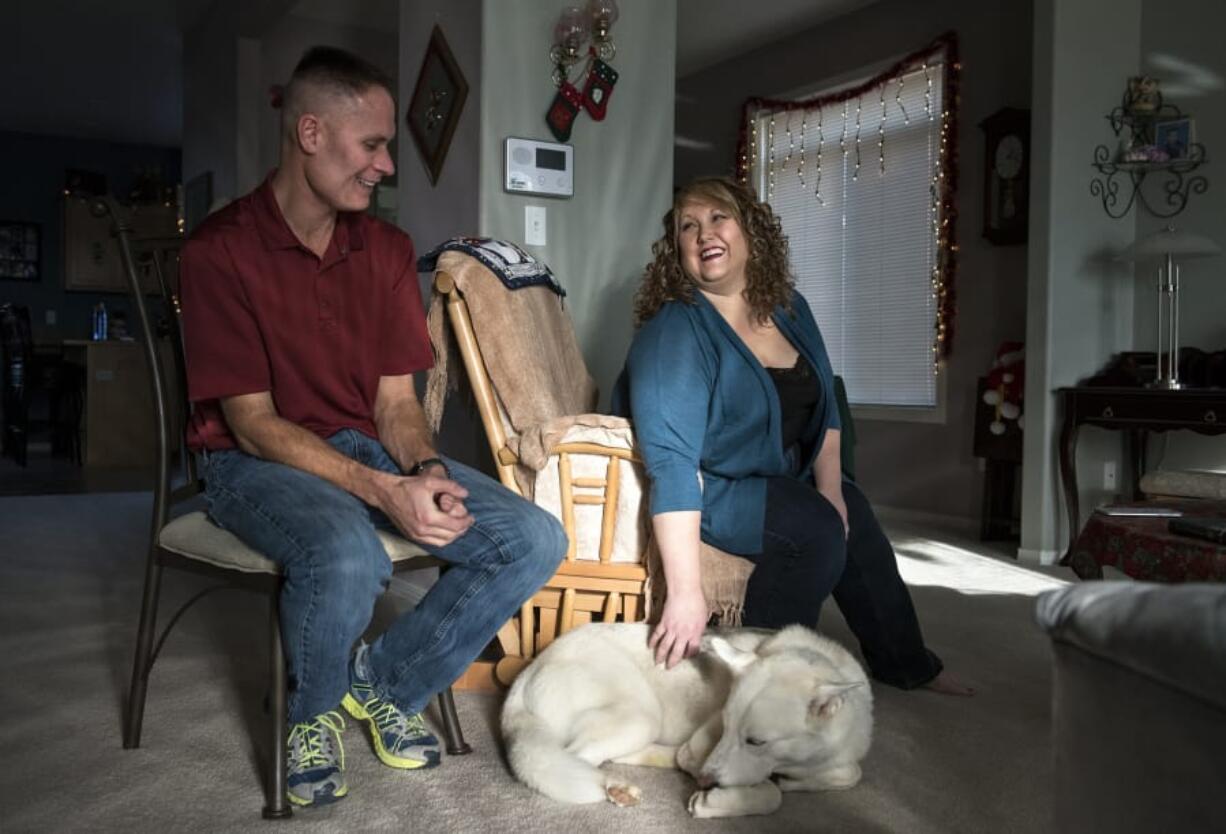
x,y
534,225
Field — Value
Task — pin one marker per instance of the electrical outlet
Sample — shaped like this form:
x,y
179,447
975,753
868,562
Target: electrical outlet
x,y
1109,475
49,317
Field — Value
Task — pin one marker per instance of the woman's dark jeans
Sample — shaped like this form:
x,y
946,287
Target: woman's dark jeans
x,y
805,558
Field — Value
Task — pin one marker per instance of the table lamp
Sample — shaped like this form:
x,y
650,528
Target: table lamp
x,y
1168,246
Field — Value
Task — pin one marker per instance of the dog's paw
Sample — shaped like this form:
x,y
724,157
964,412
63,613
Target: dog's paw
x,y
623,796
707,804
735,802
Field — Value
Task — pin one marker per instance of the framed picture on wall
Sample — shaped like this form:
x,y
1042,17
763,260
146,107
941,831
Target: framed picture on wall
x,y
20,251
438,99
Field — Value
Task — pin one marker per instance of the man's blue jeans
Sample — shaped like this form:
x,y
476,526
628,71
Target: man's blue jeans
x,y
335,568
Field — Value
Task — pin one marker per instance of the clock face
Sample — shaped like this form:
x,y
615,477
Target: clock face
x,y
1009,156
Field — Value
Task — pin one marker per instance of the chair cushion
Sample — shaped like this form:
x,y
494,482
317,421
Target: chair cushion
x,y
195,537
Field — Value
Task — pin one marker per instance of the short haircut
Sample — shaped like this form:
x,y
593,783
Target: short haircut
x,y
331,71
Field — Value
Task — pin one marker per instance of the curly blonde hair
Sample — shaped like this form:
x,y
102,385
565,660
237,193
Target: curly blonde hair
x,y
768,281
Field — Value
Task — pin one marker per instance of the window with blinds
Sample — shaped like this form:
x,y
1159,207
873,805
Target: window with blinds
x,y
855,184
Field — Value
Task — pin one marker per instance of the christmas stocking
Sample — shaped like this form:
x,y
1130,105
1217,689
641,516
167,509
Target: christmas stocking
x,y
561,115
599,86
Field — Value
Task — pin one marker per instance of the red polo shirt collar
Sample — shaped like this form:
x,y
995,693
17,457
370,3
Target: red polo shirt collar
x,y
276,234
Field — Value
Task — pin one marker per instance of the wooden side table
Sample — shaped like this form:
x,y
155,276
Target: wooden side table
x,y
1137,411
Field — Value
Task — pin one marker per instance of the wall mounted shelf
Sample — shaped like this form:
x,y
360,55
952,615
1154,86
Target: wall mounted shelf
x,y
1121,182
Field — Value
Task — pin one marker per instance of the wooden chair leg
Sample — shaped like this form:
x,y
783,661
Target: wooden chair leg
x,y
144,653
452,734
276,805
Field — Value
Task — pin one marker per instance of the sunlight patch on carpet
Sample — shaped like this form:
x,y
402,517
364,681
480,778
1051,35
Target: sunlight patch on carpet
x,y
924,561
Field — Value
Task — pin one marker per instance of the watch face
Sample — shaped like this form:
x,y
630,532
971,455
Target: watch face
x,y
1009,154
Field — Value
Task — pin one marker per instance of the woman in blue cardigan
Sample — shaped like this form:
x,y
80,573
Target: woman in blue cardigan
x,y
732,398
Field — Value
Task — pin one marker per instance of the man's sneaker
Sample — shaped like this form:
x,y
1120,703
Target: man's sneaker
x,y
401,740
315,770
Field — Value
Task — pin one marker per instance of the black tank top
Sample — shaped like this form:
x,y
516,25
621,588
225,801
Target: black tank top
x,y
800,393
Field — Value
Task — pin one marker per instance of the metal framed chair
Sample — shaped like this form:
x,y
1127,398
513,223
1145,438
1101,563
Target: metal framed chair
x,y
188,541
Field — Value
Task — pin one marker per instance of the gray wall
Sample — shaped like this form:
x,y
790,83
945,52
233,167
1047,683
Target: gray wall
x,y
599,240
922,468
434,213
278,53
210,101
1079,306
1181,44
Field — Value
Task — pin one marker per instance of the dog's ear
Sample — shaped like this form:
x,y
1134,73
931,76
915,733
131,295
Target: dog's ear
x,y
735,659
828,699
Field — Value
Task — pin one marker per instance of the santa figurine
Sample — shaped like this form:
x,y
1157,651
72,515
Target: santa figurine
x,y
1006,384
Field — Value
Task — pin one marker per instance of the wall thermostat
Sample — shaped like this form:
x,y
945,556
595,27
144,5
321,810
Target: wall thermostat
x,y
543,168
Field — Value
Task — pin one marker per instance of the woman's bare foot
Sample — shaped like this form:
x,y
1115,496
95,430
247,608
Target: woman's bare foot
x,y
947,684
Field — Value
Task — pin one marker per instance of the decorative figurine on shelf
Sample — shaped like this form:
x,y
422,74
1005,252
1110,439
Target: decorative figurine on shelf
x,y
1143,95
1006,385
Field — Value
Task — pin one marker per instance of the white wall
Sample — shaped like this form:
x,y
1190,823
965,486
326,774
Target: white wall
x,y
599,240
1181,45
1079,302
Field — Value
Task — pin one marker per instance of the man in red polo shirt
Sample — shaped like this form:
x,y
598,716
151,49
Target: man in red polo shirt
x,y
303,326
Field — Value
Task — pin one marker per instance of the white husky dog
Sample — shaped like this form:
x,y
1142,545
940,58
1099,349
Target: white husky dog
x,y
753,714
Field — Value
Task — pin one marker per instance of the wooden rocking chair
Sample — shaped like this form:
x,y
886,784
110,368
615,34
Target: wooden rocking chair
x,y
586,587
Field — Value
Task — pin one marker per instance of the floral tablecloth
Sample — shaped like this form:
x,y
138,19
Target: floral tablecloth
x,y
1145,549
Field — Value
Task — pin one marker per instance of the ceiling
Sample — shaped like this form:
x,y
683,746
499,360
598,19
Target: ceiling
x,y
710,31
112,69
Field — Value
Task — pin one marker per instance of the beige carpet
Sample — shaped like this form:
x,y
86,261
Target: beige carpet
x,y
70,574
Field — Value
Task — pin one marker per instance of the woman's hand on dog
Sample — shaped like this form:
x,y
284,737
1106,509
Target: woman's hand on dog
x,y
680,629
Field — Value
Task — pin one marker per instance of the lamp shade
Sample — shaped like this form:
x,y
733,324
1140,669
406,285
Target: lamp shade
x,y
1171,241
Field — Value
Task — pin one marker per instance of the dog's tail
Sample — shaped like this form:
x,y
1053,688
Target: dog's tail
x,y
538,756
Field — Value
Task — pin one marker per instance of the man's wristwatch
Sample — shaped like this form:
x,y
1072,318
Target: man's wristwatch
x,y
422,465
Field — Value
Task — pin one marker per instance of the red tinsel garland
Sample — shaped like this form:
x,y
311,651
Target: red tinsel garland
x,y
946,47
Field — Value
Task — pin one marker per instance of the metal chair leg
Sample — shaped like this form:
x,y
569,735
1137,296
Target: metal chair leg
x,y
452,734
276,805
144,654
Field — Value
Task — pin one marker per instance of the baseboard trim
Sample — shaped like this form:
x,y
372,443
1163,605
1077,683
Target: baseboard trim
x,y
954,523
1038,555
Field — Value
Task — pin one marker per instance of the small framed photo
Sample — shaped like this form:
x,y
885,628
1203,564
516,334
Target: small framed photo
x,y
20,251
437,102
1175,136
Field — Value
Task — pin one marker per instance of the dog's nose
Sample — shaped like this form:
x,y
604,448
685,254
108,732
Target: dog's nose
x,y
706,781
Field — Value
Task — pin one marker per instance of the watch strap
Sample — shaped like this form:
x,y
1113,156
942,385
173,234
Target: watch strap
x,y
421,466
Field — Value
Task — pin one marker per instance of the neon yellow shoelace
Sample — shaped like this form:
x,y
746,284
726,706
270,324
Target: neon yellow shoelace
x,y
310,738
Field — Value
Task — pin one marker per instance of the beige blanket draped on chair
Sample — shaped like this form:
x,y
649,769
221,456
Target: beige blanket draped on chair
x,y
545,398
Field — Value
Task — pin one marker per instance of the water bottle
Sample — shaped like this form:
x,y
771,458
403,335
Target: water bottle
x,y
94,322
99,322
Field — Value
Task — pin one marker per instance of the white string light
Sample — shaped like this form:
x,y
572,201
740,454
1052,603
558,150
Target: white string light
x,y
881,134
855,174
817,191
800,168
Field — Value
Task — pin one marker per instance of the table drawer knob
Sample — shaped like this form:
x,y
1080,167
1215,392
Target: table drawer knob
x,y
1108,412
1211,416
